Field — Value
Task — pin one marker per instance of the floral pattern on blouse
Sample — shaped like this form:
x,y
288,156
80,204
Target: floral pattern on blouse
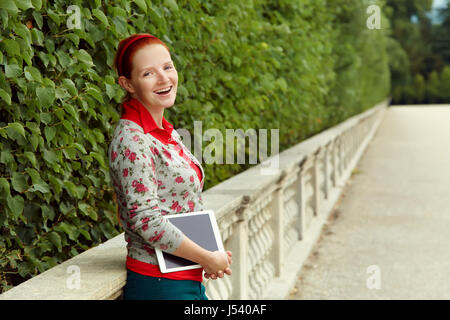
x,y
151,181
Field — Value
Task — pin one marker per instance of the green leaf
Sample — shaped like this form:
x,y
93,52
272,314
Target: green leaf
x,y
23,32
80,147
46,96
282,84
32,73
55,238
172,4
31,157
6,156
71,110
4,187
84,57
88,210
97,156
141,4
68,125
63,58
9,5
155,16
12,71
37,4
56,183
5,96
93,215
111,90
48,212
70,188
19,182
17,128
16,205
80,191
85,233
70,86
24,4
34,141
96,94
100,16
45,117
74,38
50,133
38,183
41,187
54,16
12,47
49,156
236,61
69,229
38,17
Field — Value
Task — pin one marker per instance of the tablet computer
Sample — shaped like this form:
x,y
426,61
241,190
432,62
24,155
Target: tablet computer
x,y
201,227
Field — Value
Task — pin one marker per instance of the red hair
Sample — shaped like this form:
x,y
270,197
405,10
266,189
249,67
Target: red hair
x,y
123,61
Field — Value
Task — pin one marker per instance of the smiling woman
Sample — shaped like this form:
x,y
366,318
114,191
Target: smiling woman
x,y
145,68
154,175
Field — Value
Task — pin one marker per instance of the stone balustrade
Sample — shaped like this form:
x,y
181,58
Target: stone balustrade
x,y
269,222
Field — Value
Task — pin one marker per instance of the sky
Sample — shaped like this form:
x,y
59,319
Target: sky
x,y
439,3
434,14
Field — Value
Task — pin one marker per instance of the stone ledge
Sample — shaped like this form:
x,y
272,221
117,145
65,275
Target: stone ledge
x,y
102,275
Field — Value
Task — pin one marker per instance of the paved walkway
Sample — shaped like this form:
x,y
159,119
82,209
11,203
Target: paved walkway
x,y
389,234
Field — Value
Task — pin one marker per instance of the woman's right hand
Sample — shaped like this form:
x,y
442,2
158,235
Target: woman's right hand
x,y
215,263
218,264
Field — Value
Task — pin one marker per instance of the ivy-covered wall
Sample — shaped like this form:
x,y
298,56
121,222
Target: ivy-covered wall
x,y
297,66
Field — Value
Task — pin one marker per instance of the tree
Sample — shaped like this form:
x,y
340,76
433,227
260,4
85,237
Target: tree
x,y
445,84
432,91
440,39
418,48
419,88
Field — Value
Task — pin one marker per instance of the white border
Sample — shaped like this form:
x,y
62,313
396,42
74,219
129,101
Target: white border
x,y
215,227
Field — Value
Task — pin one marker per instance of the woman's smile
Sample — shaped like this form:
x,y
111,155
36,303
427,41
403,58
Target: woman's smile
x,y
164,92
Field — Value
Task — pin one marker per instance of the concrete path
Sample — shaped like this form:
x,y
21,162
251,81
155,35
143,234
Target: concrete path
x,y
389,234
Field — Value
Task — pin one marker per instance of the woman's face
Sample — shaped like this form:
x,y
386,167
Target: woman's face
x,y
153,71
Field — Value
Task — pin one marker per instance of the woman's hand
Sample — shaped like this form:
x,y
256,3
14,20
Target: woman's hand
x,y
214,263
209,274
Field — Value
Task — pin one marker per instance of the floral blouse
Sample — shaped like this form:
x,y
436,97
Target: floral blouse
x,y
151,180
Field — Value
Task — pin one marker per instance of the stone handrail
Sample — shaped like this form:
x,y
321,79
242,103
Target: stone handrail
x,y
269,222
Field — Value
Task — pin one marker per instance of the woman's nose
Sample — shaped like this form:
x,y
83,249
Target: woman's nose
x,y
162,76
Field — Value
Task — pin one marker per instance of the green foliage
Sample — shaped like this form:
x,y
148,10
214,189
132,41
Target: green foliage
x,y
418,52
297,66
361,69
445,83
433,89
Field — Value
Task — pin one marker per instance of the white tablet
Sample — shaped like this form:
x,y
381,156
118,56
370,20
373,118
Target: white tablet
x,y
201,227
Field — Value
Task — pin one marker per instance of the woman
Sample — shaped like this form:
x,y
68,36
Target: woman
x,y
154,175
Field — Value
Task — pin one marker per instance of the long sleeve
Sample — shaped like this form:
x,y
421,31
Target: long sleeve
x,y
133,170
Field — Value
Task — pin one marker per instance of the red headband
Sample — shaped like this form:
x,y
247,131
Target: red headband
x,y
125,47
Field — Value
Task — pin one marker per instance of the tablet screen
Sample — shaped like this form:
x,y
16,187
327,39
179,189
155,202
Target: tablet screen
x,y
199,228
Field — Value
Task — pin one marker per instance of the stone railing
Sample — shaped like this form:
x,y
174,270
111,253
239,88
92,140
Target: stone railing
x,y
269,222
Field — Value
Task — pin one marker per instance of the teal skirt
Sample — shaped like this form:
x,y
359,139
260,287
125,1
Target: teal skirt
x,y
141,287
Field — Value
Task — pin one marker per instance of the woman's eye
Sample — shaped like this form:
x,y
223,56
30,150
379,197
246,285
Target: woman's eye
x,y
168,67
